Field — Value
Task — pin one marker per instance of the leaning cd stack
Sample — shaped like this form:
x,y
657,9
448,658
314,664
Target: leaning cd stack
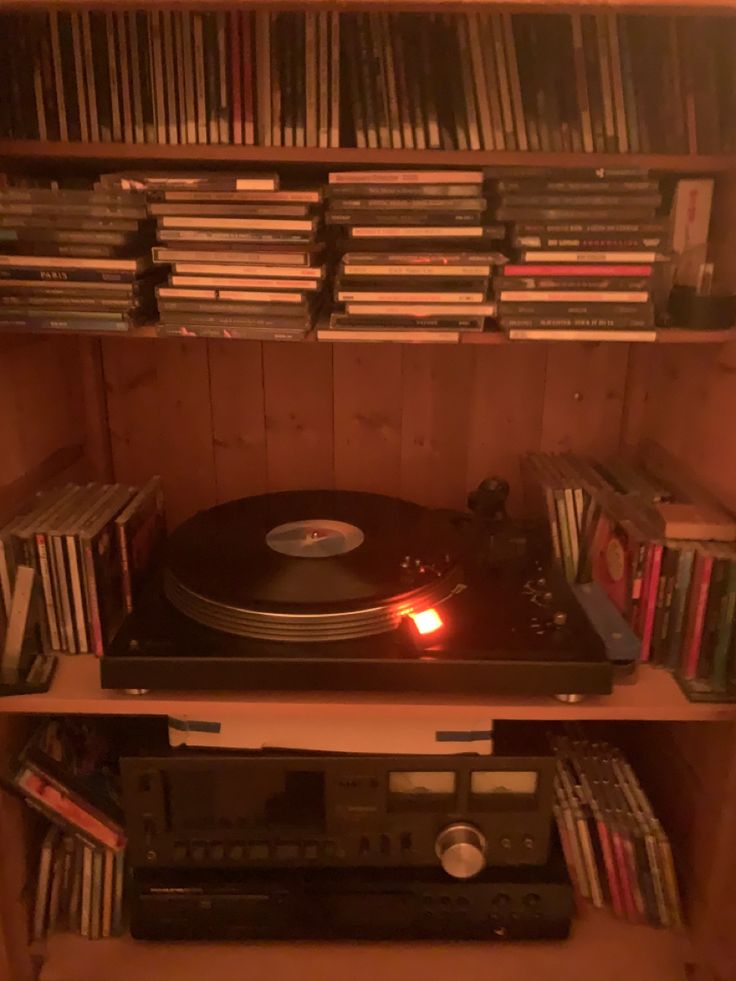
x,y
246,257
80,887
90,547
414,255
75,260
586,249
616,849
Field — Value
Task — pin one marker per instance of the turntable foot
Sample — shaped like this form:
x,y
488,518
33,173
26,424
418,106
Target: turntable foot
x,y
136,691
570,699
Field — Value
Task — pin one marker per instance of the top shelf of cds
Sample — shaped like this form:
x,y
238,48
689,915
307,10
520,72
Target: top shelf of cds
x,y
399,84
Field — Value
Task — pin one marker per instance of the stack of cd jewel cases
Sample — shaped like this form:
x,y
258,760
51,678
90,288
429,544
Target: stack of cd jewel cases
x,y
73,259
415,259
246,255
590,247
617,852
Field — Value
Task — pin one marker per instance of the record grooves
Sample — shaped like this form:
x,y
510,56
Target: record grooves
x,y
350,565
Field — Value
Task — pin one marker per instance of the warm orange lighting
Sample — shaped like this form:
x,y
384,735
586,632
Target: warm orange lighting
x,y
427,621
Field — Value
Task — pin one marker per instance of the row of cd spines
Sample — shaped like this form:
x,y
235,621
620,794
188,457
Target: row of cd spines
x,y
478,81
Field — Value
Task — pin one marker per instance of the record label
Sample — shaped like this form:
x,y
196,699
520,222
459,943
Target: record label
x,y
314,538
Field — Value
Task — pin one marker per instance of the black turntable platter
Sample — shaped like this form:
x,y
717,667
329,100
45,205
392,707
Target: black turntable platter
x,y
311,565
334,549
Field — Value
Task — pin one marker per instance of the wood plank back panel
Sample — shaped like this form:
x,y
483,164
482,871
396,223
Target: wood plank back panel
x,y
367,417
158,398
507,414
584,397
436,396
238,419
131,384
297,384
185,425
222,419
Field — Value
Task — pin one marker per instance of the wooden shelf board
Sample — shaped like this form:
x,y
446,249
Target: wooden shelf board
x,y
645,6
670,336
600,947
146,331
56,151
76,690
681,335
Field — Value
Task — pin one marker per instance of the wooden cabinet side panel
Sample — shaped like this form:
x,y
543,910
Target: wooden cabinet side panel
x,y
41,414
690,410
17,877
689,772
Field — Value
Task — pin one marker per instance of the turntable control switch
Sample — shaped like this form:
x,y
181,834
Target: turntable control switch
x,y
461,850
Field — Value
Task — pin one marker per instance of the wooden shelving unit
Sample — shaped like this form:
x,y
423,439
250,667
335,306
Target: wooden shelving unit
x,y
653,696
426,422
598,941
231,155
671,335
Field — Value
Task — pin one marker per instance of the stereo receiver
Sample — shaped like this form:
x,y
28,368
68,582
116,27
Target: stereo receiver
x,y
270,811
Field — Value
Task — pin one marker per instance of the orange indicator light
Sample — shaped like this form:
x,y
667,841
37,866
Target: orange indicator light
x,y
427,621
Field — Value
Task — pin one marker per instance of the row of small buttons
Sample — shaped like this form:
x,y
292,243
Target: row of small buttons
x,y
384,845
254,851
527,842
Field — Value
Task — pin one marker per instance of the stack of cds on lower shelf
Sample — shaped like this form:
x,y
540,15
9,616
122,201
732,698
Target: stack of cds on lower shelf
x,y
247,256
67,773
586,247
414,250
75,260
616,849
79,888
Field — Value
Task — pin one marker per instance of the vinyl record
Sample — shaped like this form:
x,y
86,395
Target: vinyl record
x,y
289,558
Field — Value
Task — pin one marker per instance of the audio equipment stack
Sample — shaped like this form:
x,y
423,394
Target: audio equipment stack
x,y
316,590
232,845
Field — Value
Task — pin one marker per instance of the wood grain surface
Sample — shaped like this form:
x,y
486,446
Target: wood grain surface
x,y
221,420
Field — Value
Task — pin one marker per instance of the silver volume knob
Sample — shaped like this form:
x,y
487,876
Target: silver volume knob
x,y
461,850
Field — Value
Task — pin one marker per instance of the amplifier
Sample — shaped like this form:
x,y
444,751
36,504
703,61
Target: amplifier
x,y
270,811
372,904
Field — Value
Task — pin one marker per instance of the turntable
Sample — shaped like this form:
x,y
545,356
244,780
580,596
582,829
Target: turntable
x,y
340,590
